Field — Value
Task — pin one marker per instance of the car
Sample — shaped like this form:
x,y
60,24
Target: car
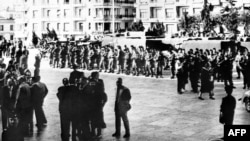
x,y
246,100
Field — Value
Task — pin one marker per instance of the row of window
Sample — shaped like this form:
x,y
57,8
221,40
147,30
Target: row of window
x,y
169,12
3,27
78,12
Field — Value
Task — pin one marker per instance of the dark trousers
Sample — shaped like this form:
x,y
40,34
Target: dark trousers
x,y
26,120
172,71
124,117
238,71
194,81
180,83
228,78
66,120
245,77
40,116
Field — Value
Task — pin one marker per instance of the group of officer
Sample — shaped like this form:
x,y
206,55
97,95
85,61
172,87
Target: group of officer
x,y
203,67
20,96
128,60
81,102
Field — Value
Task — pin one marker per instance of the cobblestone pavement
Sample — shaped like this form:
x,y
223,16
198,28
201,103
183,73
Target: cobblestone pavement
x,y
158,113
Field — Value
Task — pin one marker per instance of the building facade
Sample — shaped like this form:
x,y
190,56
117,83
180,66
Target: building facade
x,y
81,17
6,28
72,17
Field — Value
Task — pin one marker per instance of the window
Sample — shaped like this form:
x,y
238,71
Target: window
x,y
47,1
11,27
34,2
66,27
197,10
25,12
81,26
89,12
48,13
48,25
169,28
80,12
169,13
58,26
66,12
143,13
58,13
35,14
35,25
89,26
1,27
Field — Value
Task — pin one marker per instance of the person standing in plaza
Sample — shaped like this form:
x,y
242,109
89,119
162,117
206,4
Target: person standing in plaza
x,y
227,107
207,81
67,98
122,106
38,92
23,106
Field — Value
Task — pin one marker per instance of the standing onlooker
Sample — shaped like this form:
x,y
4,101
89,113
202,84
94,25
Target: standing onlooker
x,y
207,81
122,106
23,106
66,101
227,107
38,93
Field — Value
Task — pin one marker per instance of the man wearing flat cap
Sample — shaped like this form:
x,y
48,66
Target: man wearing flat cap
x,y
122,106
227,106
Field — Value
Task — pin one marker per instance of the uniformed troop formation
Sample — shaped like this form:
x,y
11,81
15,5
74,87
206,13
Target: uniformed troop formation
x,y
128,60
20,95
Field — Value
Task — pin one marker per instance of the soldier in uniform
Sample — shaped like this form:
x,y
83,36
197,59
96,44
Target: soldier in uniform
x,y
85,58
120,58
103,55
63,56
134,58
110,59
56,56
127,61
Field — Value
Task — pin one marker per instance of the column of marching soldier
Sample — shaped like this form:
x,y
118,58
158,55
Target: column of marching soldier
x,y
127,60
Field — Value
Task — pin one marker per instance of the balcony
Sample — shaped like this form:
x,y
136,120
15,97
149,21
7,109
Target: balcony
x,y
125,17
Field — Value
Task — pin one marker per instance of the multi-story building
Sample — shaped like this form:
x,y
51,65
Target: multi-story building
x,y
73,17
78,17
7,28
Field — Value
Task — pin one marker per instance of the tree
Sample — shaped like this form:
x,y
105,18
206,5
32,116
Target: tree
x,y
230,17
208,21
245,20
34,39
189,24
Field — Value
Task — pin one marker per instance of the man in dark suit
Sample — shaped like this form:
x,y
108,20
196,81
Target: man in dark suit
x,y
38,92
122,106
9,95
23,106
227,106
75,75
67,99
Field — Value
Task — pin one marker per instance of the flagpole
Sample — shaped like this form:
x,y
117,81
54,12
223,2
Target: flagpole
x,y
113,19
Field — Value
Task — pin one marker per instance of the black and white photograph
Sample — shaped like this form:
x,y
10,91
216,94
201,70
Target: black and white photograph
x,y
124,70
